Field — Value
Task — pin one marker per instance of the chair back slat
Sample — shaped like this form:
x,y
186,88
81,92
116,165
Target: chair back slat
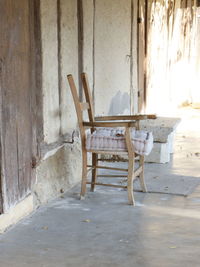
x,y
88,96
78,106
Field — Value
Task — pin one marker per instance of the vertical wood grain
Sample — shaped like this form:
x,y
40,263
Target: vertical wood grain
x,y
16,94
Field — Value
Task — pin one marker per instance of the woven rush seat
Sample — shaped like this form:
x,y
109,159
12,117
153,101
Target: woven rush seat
x,y
114,140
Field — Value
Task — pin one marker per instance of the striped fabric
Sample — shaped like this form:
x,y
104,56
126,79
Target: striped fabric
x,y
113,139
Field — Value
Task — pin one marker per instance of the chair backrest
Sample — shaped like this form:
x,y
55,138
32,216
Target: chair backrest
x,y
88,96
81,106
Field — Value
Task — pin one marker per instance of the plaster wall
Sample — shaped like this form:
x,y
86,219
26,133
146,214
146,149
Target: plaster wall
x,y
88,39
16,213
112,56
105,55
59,168
134,78
58,173
68,62
48,11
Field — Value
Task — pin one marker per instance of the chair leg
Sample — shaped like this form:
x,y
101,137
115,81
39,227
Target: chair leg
x,y
130,181
141,176
84,174
94,171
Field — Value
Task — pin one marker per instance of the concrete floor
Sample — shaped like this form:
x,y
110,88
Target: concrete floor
x,y
162,230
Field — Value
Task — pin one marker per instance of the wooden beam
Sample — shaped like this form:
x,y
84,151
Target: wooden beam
x,y
109,124
111,152
111,176
112,185
80,44
126,117
109,168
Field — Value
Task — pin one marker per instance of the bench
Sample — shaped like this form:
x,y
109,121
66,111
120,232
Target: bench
x,y
163,129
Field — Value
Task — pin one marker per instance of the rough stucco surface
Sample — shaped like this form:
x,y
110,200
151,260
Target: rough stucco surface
x,y
58,173
16,213
69,62
50,70
112,62
62,168
88,13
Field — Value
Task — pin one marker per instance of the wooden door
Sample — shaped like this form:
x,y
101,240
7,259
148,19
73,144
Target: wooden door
x,y
16,83
142,38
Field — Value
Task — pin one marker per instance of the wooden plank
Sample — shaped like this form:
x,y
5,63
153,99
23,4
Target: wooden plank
x,y
111,176
82,132
109,168
131,159
111,152
1,141
133,109
16,92
94,171
38,94
88,96
78,108
126,117
111,185
109,124
141,53
59,45
9,115
80,44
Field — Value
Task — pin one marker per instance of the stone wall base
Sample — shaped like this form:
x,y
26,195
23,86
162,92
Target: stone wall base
x,y
15,214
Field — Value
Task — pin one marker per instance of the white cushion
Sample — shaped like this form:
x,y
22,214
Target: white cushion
x,y
112,139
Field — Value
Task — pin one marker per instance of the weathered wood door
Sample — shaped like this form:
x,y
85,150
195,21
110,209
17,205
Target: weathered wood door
x,y
16,83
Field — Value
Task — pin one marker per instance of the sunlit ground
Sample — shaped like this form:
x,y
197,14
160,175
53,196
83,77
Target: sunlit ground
x,y
187,142
185,161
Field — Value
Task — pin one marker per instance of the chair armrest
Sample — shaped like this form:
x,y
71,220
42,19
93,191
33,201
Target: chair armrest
x,y
109,124
126,117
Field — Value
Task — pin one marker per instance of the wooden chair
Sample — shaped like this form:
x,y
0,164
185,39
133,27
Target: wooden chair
x,y
106,123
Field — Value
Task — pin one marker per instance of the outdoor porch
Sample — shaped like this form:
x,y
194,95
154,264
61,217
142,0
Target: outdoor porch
x,y
141,57
162,230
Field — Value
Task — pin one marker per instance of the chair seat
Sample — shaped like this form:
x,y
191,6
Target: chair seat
x,y
112,139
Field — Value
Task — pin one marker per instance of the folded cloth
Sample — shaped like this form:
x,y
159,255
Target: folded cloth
x,y
113,139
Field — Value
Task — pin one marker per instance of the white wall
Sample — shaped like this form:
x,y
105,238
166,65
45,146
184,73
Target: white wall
x,y
50,70
88,16
112,62
69,62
